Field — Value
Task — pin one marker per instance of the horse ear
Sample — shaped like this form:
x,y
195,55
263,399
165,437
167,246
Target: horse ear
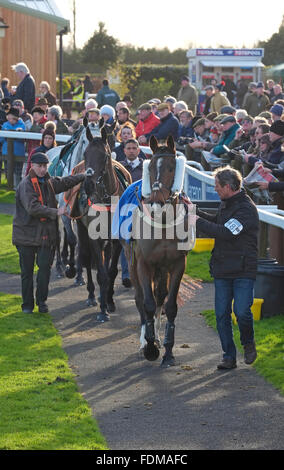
x,y
153,143
101,122
89,134
171,143
85,121
104,135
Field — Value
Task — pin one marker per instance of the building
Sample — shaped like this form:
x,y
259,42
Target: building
x,y
236,64
31,28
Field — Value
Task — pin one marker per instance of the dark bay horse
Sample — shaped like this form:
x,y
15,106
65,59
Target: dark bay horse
x,y
96,248
157,265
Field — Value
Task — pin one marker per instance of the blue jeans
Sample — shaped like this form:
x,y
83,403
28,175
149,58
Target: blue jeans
x,y
241,291
124,265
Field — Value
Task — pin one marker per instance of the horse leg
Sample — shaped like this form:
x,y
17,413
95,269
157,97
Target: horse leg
x,y
79,281
102,278
85,259
112,273
161,292
151,351
171,312
70,240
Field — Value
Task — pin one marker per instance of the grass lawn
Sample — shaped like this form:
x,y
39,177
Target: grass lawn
x,y
40,406
6,196
197,266
269,338
9,258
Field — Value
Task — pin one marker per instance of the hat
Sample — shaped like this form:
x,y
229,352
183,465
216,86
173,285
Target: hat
x,y
42,101
170,99
95,110
185,77
229,119
228,110
211,116
277,109
17,102
38,109
260,85
145,106
14,112
199,122
154,101
107,109
278,128
48,131
163,106
39,157
252,85
209,87
220,117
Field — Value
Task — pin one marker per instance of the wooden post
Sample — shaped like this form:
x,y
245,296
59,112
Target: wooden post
x,y
10,163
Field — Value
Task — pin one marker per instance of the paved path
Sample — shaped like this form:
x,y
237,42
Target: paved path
x,y
140,406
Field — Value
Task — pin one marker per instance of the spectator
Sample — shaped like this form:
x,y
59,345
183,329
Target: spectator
x,y
88,85
209,91
178,107
230,127
108,114
5,82
218,100
188,93
123,116
233,263
107,96
230,89
257,101
169,124
242,89
278,95
147,122
47,143
78,95
127,133
54,113
45,92
277,111
42,103
171,101
14,123
26,88
185,126
24,115
270,91
128,100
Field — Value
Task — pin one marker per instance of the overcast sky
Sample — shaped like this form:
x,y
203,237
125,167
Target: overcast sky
x,y
152,23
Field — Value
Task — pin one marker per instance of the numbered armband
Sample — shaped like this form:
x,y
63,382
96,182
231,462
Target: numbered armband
x,y
234,226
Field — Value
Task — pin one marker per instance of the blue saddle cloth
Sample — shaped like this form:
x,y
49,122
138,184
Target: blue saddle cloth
x,y
122,219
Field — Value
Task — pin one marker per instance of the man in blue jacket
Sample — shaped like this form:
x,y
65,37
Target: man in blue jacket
x,y
230,127
107,96
169,124
26,88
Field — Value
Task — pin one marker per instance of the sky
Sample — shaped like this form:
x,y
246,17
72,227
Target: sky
x,y
155,23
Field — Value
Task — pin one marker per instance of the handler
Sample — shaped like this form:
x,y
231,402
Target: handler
x,y
233,263
35,227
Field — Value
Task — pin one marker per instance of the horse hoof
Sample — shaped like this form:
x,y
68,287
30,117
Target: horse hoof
x,y
91,302
111,307
151,352
70,272
79,282
168,362
103,317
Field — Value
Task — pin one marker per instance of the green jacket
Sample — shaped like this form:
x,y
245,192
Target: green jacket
x,y
28,227
254,105
190,96
107,96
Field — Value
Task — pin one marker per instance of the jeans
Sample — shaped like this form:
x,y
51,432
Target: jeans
x,y
44,259
241,291
124,265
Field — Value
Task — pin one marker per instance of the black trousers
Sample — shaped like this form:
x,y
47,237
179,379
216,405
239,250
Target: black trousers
x,y
44,258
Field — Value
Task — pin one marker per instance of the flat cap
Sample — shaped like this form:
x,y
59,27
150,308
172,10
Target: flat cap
x,y
39,157
146,106
163,106
199,122
229,118
228,110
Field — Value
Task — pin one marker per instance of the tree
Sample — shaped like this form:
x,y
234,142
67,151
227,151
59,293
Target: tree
x,y
274,47
101,48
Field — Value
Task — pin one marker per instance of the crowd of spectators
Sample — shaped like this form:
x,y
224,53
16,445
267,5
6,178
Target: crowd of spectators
x,y
224,127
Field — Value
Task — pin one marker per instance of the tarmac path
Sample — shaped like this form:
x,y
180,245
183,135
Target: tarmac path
x,y
138,405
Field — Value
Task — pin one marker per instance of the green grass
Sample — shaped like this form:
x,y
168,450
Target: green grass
x,y
40,406
197,266
9,258
6,196
269,338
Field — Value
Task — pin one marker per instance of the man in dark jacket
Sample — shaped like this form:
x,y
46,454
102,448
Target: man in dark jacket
x,y
233,263
26,88
35,228
107,96
169,124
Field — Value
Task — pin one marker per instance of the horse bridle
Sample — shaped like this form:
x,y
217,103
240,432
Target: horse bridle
x,y
100,188
158,185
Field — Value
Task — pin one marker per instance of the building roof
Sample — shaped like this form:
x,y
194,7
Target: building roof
x,y
44,9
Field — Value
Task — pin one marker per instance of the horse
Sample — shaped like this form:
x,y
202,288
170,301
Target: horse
x,y
100,252
157,265
63,160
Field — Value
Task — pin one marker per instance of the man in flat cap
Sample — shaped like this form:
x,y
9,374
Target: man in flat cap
x,y
169,124
147,122
188,93
35,228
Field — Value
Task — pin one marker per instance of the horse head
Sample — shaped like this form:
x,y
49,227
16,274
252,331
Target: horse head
x,y
159,172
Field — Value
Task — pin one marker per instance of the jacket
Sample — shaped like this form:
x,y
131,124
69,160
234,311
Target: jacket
x,y
136,173
235,229
218,101
255,104
120,155
19,145
274,157
28,228
190,96
168,126
107,96
147,125
26,92
226,139
51,98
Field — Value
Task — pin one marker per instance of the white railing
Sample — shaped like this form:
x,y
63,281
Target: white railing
x,y
25,135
